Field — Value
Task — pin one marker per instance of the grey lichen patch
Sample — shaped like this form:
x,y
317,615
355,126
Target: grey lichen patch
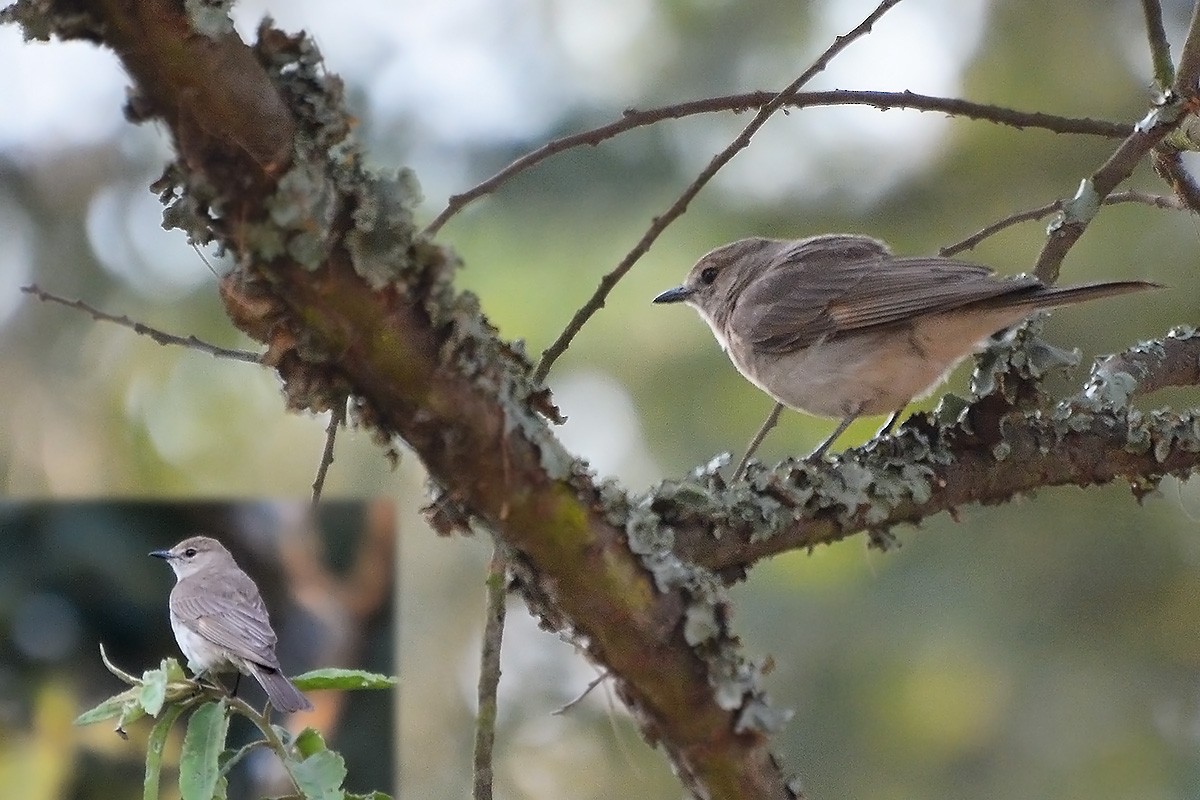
x,y
1109,390
384,227
738,685
646,532
1183,332
1170,432
1116,379
210,17
473,348
735,681
614,501
1021,357
1168,107
1139,438
302,212
1080,209
867,488
39,20
188,200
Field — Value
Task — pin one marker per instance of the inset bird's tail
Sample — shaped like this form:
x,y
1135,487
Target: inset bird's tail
x,y
281,692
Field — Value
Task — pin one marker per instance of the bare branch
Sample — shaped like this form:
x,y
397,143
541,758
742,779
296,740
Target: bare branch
x,y
884,101
337,418
1160,51
1162,119
489,675
161,337
660,223
1156,200
1169,166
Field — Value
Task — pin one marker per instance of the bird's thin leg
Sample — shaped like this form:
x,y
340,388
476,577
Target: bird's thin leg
x,y
891,422
769,423
816,455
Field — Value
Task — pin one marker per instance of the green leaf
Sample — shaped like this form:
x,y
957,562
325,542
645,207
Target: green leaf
x,y
309,742
199,766
154,691
173,670
132,712
154,751
320,776
108,709
333,678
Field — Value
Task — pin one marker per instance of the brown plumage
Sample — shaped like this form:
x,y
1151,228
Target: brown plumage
x,y
837,325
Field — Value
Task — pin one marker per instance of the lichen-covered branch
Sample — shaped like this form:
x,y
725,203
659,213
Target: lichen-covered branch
x,y
333,278
352,302
993,453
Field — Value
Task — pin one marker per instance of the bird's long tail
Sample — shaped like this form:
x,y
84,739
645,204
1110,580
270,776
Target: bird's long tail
x,y
1051,296
282,693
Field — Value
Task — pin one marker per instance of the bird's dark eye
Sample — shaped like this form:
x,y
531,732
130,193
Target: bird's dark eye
x,y
190,552
708,275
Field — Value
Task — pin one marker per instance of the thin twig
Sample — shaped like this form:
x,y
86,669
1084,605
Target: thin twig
x,y
161,337
1168,165
1157,200
1166,117
337,417
489,677
660,223
592,684
241,753
1160,50
884,101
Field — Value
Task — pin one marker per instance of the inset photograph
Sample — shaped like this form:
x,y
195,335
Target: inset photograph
x,y
222,649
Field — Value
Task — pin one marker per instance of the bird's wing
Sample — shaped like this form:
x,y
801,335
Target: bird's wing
x,y
798,303
236,622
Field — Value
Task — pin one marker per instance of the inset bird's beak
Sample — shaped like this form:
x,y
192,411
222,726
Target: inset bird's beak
x,y
676,295
165,554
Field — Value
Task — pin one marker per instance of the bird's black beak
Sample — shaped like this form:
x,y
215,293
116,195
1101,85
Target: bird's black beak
x,y
164,554
676,295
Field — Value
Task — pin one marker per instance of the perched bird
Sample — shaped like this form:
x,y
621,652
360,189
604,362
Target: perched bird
x,y
220,621
838,326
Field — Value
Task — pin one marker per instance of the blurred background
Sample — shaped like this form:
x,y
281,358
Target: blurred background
x,y
1049,647
76,575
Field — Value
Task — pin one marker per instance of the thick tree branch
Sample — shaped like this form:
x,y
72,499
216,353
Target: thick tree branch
x,y
331,276
1092,438
350,301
